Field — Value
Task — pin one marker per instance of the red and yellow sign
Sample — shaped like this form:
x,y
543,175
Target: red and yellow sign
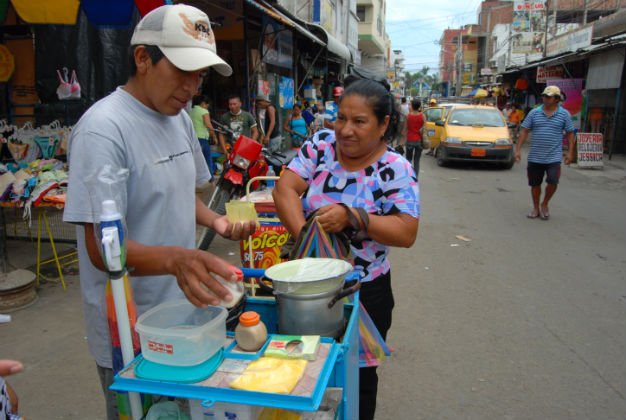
x,y
7,63
267,242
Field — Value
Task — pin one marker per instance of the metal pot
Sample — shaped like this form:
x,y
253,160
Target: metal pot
x,y
313,314
308,294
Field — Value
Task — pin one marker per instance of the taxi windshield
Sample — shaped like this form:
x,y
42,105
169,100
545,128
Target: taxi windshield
x,y
476,117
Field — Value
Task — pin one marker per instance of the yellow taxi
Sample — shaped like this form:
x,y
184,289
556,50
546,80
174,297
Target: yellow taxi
x,y
474,133
434,114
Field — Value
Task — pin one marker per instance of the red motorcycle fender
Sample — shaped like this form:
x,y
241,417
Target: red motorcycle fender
x,y
235,177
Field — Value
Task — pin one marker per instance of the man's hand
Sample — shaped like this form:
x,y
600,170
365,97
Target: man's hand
x,y
10,367
569,159
518,156
194,270
333,218
266,140
233,231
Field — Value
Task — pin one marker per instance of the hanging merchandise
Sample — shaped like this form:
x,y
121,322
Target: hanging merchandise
x,y
111,14
372,347
146,6
68,88
58,12
7,63
4,8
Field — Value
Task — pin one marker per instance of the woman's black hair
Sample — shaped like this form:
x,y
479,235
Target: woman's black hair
x,y
416,104
198,99
380,99
153,51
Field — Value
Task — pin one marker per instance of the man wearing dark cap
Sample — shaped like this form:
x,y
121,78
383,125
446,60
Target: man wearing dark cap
x,y
548,122
139,130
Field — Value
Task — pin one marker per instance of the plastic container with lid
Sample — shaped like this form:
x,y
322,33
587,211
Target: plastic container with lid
x,y
176,333
251,332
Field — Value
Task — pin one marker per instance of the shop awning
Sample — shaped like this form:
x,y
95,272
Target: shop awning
x,y
332,44
283,19
581,53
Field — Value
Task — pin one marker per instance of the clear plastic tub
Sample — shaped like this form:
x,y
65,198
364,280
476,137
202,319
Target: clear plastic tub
x,y
176,333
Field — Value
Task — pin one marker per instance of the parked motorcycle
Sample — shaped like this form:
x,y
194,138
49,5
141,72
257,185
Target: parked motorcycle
x,y
246,160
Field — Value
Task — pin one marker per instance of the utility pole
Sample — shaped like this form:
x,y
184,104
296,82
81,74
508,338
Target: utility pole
x,y
585,12
545,33
459,54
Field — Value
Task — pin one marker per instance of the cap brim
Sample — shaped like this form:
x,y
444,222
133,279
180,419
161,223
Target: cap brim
x,y
193,59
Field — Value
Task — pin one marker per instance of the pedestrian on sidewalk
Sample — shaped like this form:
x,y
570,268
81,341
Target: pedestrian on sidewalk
x,y
201,119
140,127
547,122
416,124
239,122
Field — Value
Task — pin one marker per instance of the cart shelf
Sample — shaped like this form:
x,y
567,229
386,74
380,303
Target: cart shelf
x,y
335,366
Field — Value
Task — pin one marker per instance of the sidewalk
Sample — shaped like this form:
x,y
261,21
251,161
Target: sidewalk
x,y
613,170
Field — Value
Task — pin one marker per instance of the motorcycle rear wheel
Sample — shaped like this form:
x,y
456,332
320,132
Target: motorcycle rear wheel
x,y
219,206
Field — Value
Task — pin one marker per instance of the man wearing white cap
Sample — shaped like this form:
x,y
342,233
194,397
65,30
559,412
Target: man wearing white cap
x,y
548,123
140,128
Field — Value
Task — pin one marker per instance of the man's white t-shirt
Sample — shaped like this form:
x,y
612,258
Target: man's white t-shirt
x,y
165,164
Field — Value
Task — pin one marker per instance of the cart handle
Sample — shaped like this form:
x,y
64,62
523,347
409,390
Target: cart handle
x,y
253,272
260,272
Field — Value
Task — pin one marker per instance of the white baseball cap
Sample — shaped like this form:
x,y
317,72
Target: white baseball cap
x,y
183,33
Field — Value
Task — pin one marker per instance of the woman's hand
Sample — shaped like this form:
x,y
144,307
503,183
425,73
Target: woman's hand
x,y
10,367
333,218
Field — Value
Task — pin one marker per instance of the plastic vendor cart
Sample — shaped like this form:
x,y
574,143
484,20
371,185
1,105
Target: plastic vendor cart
x,y
340,370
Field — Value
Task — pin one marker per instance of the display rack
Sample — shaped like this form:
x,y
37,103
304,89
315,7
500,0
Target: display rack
x,y
340,370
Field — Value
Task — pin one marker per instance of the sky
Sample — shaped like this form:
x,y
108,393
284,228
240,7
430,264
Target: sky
x,y
416,26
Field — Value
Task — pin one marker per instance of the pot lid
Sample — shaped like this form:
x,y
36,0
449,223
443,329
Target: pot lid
x,y
308,270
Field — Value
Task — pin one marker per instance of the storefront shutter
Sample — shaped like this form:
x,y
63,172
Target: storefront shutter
x,y
605,70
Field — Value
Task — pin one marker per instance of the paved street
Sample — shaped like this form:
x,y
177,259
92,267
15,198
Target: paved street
x,y
527,320
524,321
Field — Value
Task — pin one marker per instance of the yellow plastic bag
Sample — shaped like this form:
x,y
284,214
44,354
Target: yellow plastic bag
x,y
268,374
241,211
270,413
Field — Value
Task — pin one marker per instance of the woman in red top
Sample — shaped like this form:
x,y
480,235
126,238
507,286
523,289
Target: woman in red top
x,y
415,122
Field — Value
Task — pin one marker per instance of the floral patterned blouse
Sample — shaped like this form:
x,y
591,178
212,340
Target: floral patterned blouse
x,y
386,187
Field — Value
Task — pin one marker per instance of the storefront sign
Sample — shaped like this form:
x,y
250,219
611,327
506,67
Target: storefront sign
x,y
286,92
263,88
277,44
590,150
573,98
544,73
267,242
571,41
324,14
528,28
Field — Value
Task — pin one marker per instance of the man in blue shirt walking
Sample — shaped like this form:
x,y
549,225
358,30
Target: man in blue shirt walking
x,y
548,123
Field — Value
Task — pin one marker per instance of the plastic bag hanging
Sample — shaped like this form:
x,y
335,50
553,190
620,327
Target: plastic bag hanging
x,y
314,242
64,91
74,86
372,347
